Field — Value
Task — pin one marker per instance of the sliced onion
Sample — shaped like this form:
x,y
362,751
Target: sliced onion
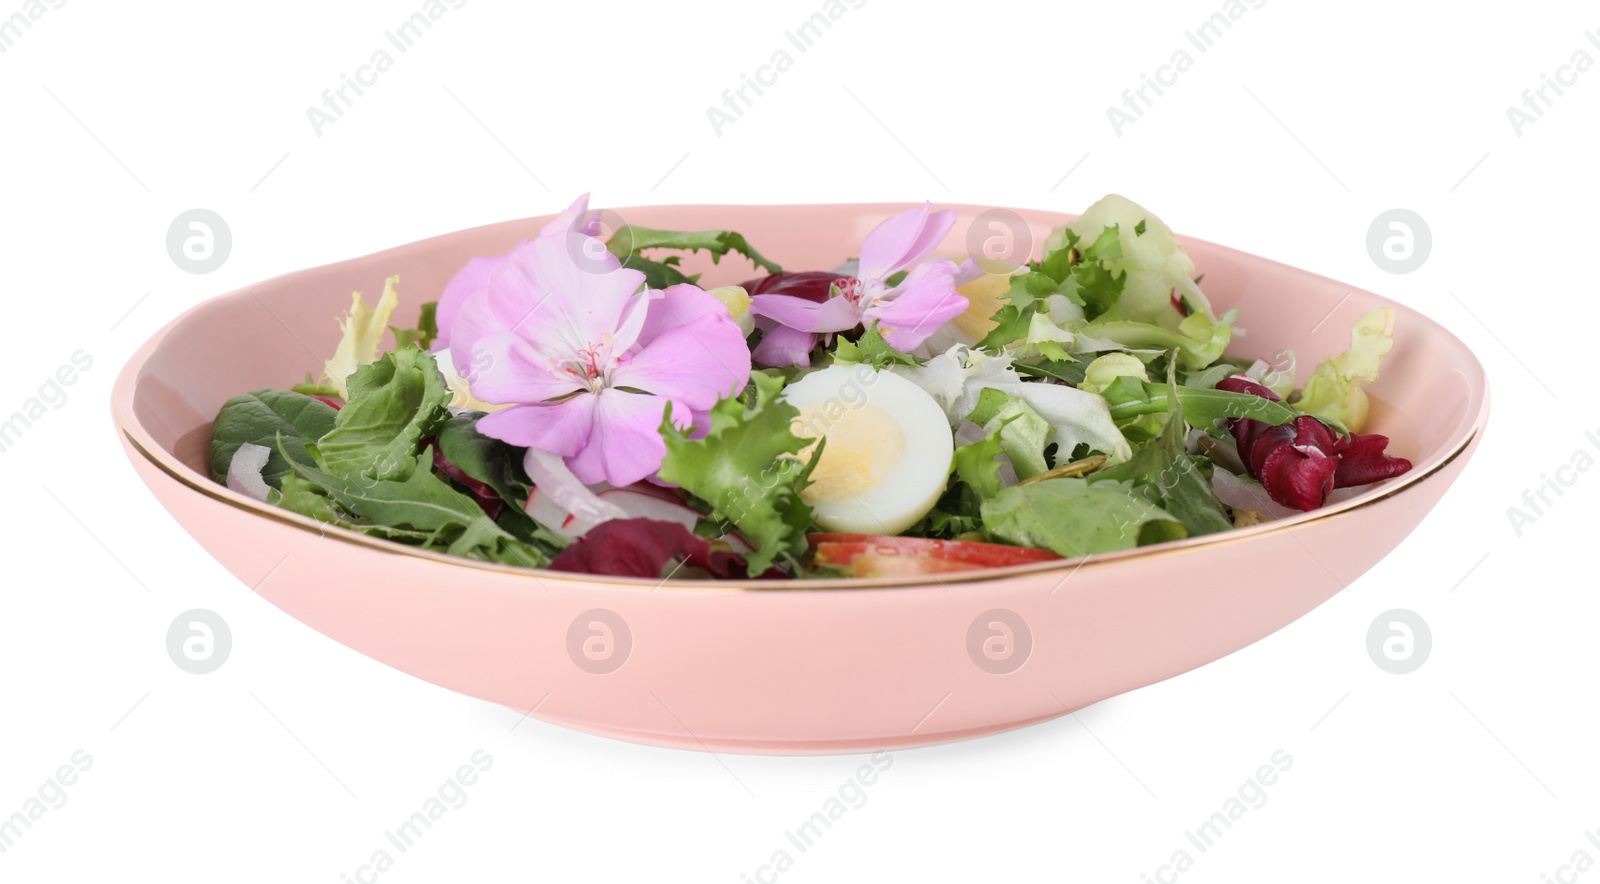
x,y
550,476
1247,494
244,471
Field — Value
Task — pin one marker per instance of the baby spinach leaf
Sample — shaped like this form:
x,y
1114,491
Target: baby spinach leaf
x,y
260,417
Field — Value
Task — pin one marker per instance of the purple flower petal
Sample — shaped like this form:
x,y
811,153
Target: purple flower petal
x,y
575,217
474,277
627,444
903,240
562,428
968,271
679,305
796,313
544,294
783,346
506,369
919,306
694,365
586,358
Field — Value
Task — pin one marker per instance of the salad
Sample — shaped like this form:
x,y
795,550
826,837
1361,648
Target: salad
x,y
582,404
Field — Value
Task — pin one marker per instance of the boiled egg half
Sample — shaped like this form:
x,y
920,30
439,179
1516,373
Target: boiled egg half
x,y
886,460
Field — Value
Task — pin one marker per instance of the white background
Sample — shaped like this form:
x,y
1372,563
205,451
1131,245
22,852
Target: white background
x,y
1286,139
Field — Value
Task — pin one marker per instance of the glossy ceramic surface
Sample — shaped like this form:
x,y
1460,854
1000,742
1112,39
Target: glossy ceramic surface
x,y
806,666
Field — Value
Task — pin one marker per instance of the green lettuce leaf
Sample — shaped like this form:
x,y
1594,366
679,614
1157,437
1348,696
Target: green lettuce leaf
x,y
1096,279
1077,279
1020,429
1198,340
978,465
747,470
871,349
261,417
1334,389
1147,259
1072,517
394,403
1105,369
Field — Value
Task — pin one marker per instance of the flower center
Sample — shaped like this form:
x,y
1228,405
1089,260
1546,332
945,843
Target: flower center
x,y
592,365
850,288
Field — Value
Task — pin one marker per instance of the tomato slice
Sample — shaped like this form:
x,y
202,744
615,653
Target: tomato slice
x,y
872,564
873,555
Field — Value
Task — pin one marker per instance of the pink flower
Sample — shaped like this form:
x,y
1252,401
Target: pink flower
x,y
906,314
475,275
780,344
587,361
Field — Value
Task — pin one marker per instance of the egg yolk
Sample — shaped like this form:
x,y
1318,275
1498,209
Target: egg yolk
x,y
864,445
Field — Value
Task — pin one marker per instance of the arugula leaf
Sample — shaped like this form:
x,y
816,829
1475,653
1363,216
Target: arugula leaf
x,y
298,494
871,349
1072,517
303,496
313,388
422,336
1070,373
658,274
1203,408
1171,478
747,470
394,403
419,506
1209,378
260,417
630,240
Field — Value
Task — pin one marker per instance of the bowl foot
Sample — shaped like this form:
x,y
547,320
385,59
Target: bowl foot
x,y
765,746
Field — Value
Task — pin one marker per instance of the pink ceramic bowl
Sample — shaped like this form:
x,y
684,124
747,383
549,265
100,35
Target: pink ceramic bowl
x,y
806,666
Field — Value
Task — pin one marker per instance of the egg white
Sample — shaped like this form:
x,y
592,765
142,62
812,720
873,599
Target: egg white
x,y
888,451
